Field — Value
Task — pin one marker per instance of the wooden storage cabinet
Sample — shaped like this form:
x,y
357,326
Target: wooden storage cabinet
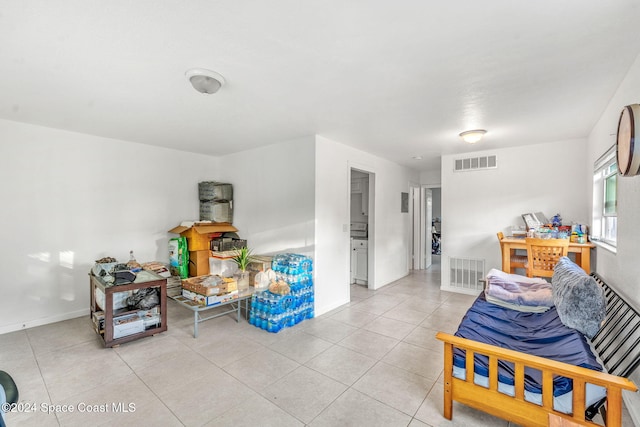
x,y
145,279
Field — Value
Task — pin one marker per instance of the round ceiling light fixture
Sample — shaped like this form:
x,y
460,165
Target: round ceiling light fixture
x,y
205,81
472,136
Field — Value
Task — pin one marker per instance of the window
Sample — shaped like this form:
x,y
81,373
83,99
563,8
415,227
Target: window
x,y
605,199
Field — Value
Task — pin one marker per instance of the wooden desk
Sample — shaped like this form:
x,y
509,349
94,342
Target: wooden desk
x,y
582,252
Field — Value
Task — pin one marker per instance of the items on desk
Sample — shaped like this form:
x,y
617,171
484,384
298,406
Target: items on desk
x,y
539,227
534,220
576,233
561,232
556,220
579,233
518,231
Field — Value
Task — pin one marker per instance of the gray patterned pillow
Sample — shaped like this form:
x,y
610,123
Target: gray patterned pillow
x,y
579,300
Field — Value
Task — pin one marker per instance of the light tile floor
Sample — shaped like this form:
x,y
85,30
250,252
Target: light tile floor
x,y
372,362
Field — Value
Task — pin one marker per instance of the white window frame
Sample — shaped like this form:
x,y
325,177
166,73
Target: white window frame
x,y
604,224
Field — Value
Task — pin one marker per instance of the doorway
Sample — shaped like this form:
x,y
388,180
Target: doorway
x,y
426,226
361,215
436,224
433,219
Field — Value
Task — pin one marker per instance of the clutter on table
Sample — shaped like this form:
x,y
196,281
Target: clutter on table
x,y
539,227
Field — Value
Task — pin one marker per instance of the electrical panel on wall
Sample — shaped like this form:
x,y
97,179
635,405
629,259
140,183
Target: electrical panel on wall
x,y
475,163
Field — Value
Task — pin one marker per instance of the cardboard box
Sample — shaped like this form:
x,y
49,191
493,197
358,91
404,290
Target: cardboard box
x,y
259,263
200,234
157,267
98,321
229,284
150,318
186,301
127,325
209,300
224,255
199,263
194,284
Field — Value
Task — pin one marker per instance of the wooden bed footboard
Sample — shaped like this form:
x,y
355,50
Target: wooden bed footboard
x,y
516,408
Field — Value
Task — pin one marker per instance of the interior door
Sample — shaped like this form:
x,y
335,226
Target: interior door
x,y
427,196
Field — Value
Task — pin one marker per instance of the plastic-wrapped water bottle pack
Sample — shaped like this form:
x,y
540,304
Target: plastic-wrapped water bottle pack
x,y
273,312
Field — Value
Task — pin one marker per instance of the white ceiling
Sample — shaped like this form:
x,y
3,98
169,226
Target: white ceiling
x,y
393,78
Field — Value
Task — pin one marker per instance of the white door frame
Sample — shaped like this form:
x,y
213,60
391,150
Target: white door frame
x,y
421,238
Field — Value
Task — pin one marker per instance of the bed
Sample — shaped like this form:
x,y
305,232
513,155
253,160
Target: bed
x,y
522,365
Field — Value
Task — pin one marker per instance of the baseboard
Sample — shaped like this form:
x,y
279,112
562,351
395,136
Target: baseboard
x,y
370,286
44,321
326,309
460,290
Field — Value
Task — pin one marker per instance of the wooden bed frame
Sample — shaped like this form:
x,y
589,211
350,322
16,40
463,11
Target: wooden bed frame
x,y
618,358
515,408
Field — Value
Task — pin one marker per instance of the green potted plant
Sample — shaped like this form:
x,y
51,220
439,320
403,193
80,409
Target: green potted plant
x,y
242,258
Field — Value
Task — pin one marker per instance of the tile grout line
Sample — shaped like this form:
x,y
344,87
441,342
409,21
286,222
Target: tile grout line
x,y
35,357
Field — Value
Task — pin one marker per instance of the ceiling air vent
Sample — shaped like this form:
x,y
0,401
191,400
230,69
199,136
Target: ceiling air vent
x,y
475,163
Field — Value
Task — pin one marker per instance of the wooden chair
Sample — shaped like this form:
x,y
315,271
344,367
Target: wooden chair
x,y
543,255
517,261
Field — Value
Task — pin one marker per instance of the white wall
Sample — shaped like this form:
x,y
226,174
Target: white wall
x,y
69,199
431,177
390,233
546,178
274,202
73,198
621,270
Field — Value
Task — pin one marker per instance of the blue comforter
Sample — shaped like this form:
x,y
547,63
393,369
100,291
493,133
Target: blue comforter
x,y
539,334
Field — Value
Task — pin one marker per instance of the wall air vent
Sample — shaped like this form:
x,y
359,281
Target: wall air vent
x,y
466,273
475,163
